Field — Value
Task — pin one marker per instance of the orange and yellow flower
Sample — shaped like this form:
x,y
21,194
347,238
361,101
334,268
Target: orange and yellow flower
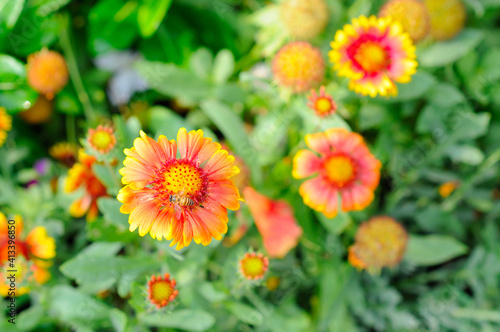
x,y
380,242
64,152
102,139
47,72
299,66
345,167
374,53
411,14
161,290
37,250
39,112
275,222
322,103
81,175
181,199
447,18
5,125
253,266
304,19
447,188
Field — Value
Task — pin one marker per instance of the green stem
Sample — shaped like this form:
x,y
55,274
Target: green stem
x,y
74,73
71,129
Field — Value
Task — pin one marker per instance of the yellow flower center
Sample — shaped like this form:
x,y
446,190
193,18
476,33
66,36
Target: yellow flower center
x,y
372,57
183,178
161,290
253,267
339,169
323,105
102,140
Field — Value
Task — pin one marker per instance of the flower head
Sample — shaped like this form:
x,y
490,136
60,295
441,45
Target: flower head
x,y
447,18
322,104
298,65
275,222
447,188
101,139
304,19
380,242
344,167
81,175
411,14
47,72
161,290
39,112
64,152
373,53
5,125
253,266
179,198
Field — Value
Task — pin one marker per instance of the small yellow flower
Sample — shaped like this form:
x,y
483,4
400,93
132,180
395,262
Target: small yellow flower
x,y
322,103
161,290
254,266
101,139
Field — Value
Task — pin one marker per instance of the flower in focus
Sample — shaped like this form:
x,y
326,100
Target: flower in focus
x,y
253,266
447,188
33,254
322,104
447,18
373,53
64,152
344,167
304,19
299,66
81,175
39,112
411,14
102,139
275,222
5,125
161,290
47,72
379,242
180,199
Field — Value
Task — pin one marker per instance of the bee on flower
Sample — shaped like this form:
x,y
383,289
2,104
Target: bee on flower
x,y
153,174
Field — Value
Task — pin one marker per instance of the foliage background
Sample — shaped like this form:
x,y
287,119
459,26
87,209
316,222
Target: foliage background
x,y
190,63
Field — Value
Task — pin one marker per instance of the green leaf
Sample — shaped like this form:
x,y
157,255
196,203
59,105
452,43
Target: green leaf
x,y
118,319
471,125
433,249
200,62
173,81
9,12
11,69
245,313
29,318
466,154
150,15
164,121
184,319
420,83
445,95
335,225
13,100
442,53
110,207
46,7
223,66
372,116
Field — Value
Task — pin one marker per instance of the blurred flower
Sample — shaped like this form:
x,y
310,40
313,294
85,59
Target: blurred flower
x,y
275,222
102,139
42,166
242,179
33,254
298,65
380,242
183,198
81,175
447,18
272,283
304,19
22,276
47,72
161,290
373,53
39,112
411,14
322,104
447,188
254,266
126,80
236,235
64,152
344,167
5,125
